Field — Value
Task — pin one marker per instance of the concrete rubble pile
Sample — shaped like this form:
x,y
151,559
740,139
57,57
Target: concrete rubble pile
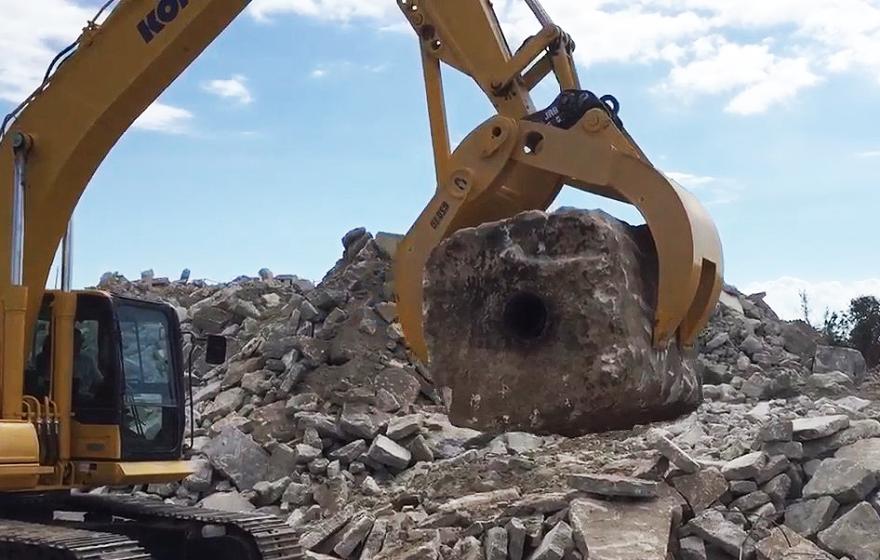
x,y
321,416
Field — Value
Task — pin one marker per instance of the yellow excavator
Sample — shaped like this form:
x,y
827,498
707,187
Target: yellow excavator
x,y
92,385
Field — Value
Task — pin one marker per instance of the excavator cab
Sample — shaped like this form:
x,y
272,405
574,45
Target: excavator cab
x,y
125,376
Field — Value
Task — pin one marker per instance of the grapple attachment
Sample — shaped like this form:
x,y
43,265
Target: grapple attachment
x,y
520,159
506,167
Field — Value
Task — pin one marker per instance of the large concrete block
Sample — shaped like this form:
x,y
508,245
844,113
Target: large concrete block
x,y
543,323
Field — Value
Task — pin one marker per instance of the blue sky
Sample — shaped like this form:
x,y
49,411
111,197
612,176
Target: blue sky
x,y
307,118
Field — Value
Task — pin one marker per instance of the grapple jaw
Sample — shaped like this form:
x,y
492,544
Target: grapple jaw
x,y
507,166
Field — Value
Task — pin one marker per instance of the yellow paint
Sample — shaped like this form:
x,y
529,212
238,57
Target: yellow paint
x,y
63,314
95,441
98,473
13,305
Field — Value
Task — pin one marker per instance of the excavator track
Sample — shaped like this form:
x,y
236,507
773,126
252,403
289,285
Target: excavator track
x,y
26,541
266,535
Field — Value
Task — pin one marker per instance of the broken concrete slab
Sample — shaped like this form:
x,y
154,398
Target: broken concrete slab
x,y
745,467
854,534
819,427
238,457
702,489
811,516
785,544
613,486
676,455
714,529
865,452
626,530
843,479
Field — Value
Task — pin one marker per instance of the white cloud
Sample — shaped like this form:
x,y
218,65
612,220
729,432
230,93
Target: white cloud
x,y
700,42
711,191
234,88
31,33
757,78
868,154
332,10
783,295
342,67
168,119
689,180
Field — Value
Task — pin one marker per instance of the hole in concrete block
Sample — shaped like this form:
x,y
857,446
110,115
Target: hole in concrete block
x,y
525,315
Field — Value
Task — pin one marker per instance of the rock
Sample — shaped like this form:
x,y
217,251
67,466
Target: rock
x,y
613,486
846,360
421,451
777,431
742,487
305,454
227,501
692,548
843,479
357,422
350,451
829,383
556,543
516,539
854,534
799,338
776,465
207,393
717,341
297,494
522,442
282,462
323,530
495,544
750,501
499,295
375,540
403,426
268,493
714,529
784,544
701,489
353,535
238,457
865,452
671,451
751,345
745,467
778,489
387,452
819,427
626,530
811,516
858,430
226,402
789,449
201,477
853,402
481,500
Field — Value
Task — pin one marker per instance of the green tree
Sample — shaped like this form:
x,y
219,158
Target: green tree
x,y
864,321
